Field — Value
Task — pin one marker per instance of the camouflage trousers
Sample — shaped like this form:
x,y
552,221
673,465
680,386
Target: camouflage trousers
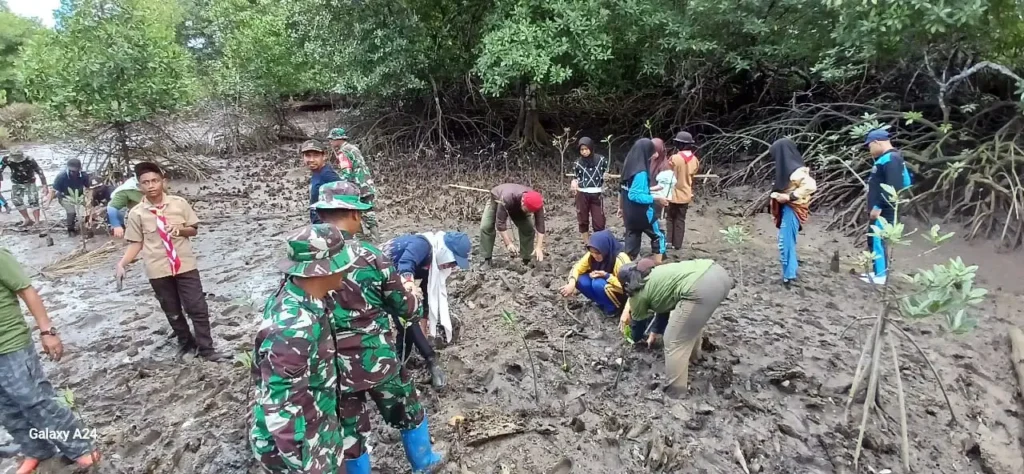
x,y
369,226
20,193
397,402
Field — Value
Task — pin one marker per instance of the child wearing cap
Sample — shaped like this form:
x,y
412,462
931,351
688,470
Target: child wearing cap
x,y
429,257
685,165
24,192
515,202
295,426
71,180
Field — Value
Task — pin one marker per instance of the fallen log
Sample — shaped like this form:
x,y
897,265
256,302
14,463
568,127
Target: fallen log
x,y
1017,355
616,176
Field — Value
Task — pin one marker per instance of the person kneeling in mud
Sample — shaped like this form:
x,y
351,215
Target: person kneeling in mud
x,y
429,257
361,316
516,202
690,291
294,412
595,275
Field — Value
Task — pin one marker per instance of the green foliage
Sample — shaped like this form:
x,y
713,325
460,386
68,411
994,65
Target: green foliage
x,y
735,235
244,359
112,61
15,32
66,398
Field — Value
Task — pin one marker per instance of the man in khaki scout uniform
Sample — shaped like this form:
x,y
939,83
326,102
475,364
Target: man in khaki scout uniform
x,y
160,227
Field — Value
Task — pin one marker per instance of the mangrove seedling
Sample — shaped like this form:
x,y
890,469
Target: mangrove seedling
x,y
244,358
513,325
946,291
736,236
563,142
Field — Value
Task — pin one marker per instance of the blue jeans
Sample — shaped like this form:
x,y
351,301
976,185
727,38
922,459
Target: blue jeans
x,y
788,230
593,289
639,327
877,246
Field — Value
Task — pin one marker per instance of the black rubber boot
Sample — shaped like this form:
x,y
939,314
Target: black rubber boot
x,y
437,376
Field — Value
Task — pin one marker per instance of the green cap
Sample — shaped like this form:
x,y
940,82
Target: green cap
x,y
311,145
340,195
317,250
337,134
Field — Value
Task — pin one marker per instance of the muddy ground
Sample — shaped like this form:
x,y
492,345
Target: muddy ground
x,y
771,381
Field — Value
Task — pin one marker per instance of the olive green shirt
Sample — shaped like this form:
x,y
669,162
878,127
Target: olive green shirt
x,y
14,334
666,286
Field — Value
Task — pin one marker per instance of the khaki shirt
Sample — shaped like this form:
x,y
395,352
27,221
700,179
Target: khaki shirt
x,y
141,227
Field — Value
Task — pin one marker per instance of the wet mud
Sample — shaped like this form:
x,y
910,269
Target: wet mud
x,y
770,388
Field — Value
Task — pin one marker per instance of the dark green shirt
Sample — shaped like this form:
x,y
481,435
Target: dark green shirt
x,y
14,334
666,286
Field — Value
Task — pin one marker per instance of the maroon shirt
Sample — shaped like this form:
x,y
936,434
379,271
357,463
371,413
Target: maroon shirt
x,y
509,197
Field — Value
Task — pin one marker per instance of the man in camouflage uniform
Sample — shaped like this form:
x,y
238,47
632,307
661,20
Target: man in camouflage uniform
x,y
23,184
352,167
368,363
294,415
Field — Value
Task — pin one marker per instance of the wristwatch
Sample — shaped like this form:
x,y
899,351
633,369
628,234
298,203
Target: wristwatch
x,y
50,332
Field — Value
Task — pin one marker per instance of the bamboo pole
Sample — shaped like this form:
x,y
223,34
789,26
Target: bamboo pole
x,y
615,176
467,188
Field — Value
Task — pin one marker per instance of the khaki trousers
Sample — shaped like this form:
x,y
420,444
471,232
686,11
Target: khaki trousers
x,y
686,325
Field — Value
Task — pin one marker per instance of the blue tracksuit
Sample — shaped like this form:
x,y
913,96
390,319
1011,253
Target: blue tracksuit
x,y
891,169
320,177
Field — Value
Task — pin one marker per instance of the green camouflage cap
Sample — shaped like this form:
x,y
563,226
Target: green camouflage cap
x,y
16,157
312,145
337,134
340,195
317,250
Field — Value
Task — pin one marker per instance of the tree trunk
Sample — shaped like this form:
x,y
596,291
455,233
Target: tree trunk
x,y
529,133
122,166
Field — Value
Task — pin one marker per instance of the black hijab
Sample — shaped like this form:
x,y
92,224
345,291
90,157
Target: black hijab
x,y
637,160
787,160
590,161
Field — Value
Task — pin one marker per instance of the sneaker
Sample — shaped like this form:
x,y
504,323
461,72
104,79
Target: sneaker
x,y
872,278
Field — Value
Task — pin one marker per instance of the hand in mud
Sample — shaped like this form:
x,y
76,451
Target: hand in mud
x,y
598,274
119,271
625,321
568,290
539,254
119,232
52,347
511,248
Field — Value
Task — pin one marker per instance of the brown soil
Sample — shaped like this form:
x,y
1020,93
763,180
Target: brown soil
x,y
773,379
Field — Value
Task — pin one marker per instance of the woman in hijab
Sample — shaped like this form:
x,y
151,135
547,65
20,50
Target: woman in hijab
x,y
638,202
595,274
790,198
690,292
588,186
429,257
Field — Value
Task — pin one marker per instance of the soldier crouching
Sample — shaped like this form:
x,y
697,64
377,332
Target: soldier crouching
x,y
368,362
294,414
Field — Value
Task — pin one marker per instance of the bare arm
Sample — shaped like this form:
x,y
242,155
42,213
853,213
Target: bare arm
x,y
130,253
35,306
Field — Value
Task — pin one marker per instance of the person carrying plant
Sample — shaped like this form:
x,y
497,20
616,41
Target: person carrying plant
x,y
160,228
352,167
516,202
315,159
690,292
71,180
430,257
790,202
663,179
27,400
595,275
684,164
889,169
638,203
24,192
369,366
122,199
295,425
588,187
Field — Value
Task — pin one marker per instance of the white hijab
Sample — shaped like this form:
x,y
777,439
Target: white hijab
x,y
437,285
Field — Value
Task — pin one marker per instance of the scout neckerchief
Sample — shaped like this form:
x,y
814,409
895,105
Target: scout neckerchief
x,y
162,229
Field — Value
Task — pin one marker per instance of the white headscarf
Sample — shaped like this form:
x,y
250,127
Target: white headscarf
x,y
437,285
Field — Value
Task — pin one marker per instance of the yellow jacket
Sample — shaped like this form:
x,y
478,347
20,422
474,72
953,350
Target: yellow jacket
x,y
801,186
582,267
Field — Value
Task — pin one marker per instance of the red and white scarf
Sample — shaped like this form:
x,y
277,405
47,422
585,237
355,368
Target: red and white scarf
x,y
162,228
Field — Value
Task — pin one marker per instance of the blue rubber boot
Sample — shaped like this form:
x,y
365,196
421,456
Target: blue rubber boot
x,y
418,449
360,465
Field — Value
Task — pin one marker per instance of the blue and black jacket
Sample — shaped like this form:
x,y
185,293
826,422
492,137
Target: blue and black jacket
x,y
891,169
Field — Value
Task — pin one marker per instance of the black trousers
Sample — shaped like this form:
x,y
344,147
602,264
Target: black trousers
x,y
412,336
180,295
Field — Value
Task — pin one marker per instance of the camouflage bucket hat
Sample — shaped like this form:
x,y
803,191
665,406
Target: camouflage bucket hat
x,y
340,195
317,250
16,157
337,134
311,145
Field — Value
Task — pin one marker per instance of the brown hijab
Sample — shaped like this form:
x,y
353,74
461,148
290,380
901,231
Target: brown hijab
x,y
659,163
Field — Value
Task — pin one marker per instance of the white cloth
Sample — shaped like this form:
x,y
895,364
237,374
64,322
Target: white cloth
x,y
437,285
667,180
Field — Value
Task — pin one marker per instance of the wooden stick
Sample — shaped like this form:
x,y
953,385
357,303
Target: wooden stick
x,y
615,176
467,188
1017,354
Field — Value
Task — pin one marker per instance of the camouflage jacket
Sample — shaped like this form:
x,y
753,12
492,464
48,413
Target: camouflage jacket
x,y
294,411
352,167
370,295
22,172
